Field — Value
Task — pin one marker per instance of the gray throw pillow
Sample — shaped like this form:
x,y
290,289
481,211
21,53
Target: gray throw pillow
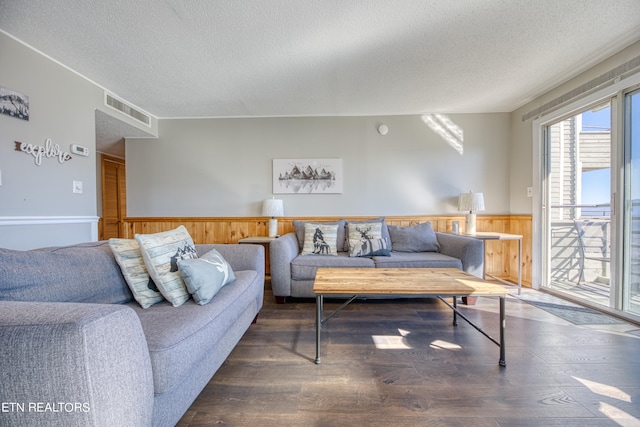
x,y
415,238
205,276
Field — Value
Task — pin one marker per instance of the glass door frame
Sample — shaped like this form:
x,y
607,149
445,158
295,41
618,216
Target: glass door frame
x,y
616,94
627,205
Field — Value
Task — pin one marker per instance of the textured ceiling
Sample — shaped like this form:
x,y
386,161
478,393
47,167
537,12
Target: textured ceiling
x,y
238,58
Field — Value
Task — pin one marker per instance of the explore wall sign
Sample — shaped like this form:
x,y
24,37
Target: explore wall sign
x,y
49,149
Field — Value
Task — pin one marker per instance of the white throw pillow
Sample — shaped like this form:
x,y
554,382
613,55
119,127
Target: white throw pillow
x,y
129,258
320,239
161,253
357,231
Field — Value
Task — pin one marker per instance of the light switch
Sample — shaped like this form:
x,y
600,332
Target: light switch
x,y
0,178
529,191
77,187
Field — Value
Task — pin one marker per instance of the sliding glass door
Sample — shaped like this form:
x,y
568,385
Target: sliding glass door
x,y
579,165
591,204
631,264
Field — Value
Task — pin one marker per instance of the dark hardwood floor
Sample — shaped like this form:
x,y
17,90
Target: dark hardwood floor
x,y
402,363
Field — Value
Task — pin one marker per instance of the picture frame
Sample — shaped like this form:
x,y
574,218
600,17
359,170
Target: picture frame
x,y
14,104
307,176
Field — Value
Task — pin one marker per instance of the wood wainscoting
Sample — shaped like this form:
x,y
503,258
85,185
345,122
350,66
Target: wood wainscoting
x,y
501,256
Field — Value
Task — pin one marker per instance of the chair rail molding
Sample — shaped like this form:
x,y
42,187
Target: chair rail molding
x,y
52,220
38,220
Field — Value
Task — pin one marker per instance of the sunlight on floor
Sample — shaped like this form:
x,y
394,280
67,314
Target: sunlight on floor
x,y
618,416
392,342
444,345
605,390
398,342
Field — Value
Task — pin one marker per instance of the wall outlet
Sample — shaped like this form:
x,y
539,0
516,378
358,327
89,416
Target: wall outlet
x,y
77,187
529,191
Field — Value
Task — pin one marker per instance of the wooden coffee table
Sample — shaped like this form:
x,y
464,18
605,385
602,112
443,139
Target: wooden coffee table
x,y
420,282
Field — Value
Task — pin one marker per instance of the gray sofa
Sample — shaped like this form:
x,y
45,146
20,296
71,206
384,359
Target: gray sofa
x,y
77,350
292,273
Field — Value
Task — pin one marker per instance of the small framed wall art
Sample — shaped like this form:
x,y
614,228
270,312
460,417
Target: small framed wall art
x,y
14,104
307,176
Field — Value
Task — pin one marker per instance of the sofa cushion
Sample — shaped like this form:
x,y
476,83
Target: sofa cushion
x,y
299,229
368,248
85,272
303,267
161,252
180,339
417,260
205,276
415,238
383,229
129,258
365,239
320,239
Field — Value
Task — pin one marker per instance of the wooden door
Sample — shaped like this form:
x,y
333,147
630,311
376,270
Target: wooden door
x,y
114,196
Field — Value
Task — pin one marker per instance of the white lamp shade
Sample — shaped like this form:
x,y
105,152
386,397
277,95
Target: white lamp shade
x,y
471,202
272,208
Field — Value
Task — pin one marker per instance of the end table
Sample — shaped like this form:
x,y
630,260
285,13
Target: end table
x,y
484,236
264,241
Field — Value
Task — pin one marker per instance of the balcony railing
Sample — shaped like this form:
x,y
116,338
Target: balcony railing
x,y
581,244
597,210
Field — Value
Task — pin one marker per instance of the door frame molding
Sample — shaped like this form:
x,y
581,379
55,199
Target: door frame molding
x,y
122,210
538,241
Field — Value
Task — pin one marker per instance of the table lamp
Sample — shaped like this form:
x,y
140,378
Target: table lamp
x,y
471,202
273,208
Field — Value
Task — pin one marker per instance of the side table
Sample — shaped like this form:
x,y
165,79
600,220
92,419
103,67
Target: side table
x,y
264,241
489,235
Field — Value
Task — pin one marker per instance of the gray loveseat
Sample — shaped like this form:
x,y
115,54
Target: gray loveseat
x,y
77,350
293,273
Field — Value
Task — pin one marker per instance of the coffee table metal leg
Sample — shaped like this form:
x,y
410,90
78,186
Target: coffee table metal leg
x,y
455,312
500,343
502,361
319,302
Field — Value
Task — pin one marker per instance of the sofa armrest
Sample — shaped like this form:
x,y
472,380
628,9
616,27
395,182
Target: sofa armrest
x,y
240,257
467,249
73,364
282,251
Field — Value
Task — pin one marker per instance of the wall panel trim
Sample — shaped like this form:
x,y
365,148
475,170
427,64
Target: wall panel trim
x,y
40,220
501,257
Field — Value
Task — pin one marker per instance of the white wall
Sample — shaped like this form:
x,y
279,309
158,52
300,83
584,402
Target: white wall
x,y
37,204
223,167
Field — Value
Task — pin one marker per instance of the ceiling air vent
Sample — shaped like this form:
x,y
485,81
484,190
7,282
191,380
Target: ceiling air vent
x,y
126,109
